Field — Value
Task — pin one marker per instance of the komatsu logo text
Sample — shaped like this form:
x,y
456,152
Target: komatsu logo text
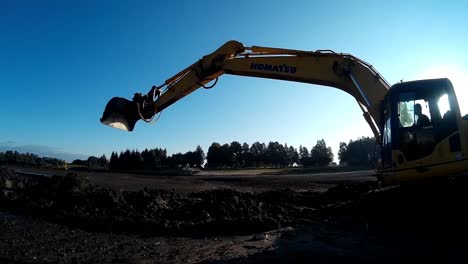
x,y
273,68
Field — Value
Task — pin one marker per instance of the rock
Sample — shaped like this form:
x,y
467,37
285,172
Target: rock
x,y
20,185
259,237
8,184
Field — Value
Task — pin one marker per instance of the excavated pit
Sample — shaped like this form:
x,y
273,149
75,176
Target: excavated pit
x,y
424,219
71,200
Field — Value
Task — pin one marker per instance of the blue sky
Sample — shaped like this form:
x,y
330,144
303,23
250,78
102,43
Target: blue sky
x,y
61,61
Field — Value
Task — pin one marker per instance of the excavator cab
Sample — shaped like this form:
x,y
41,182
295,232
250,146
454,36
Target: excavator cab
x,y
420,129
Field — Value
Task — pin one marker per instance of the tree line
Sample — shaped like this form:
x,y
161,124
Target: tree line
x,y
361,152
271,155
93,162
11,157
152,159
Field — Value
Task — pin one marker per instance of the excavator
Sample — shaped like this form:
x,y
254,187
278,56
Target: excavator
x,y
410,149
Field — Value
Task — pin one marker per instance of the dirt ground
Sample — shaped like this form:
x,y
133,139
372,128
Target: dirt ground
x,y
228,218
254,180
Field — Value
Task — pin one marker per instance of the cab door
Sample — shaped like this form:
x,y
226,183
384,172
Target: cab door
x,y
425,131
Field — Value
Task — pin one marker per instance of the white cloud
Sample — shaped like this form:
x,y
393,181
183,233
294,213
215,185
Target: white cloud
x,y
42,150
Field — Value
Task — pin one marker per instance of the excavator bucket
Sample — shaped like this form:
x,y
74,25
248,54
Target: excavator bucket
x,y
120,113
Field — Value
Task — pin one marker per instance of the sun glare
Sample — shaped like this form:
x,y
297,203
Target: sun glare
x,y
459,79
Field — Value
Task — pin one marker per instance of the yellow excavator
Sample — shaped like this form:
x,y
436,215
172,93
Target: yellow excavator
x,y
417,124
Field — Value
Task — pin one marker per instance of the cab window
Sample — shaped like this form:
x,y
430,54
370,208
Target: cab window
x,y
443,105
414,113
416,133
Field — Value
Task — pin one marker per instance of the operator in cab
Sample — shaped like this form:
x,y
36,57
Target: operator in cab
x,y
421,120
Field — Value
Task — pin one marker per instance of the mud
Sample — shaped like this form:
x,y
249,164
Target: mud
x,y
357,221
71,200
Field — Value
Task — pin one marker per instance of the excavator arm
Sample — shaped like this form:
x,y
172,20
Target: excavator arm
x,y
342,71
